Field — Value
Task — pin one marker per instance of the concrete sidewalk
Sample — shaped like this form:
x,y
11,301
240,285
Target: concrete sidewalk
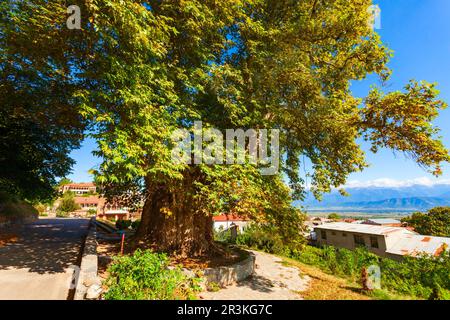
x,y
38,265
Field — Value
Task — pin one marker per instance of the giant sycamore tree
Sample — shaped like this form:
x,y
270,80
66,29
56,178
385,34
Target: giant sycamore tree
x,y
143,69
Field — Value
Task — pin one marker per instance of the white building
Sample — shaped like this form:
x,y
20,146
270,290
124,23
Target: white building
x,y
79,188
224,222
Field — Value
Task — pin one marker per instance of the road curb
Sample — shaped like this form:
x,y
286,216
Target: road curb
x,y
88,276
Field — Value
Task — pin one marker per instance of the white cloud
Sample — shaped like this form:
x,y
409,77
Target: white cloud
x,y
392,183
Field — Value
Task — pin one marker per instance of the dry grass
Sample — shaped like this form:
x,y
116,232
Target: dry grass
x,y
323,286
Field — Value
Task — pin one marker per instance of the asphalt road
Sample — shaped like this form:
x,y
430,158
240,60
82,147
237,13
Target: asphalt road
x,y
38,265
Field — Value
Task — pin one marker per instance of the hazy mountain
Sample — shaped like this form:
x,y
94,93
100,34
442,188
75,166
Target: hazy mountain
x,y
400,203
410,197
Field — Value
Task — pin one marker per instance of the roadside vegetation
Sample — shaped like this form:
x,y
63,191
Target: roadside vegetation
x,y
14,209
67,204
436,222
148,276
127,224
424,277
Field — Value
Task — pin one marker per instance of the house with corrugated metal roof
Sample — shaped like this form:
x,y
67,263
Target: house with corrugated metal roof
x,y
387,222
385,241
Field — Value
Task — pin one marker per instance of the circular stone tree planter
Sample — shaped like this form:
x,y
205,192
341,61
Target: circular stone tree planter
x,y
227,275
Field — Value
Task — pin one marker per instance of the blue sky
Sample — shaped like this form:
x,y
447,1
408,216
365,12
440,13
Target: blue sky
x,y
419,33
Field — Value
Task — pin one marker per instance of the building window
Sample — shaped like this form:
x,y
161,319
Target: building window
x,y
333,233
374,242
323,235
344,234
359,240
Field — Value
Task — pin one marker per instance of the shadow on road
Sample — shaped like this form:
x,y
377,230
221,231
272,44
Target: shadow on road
x,y
45,246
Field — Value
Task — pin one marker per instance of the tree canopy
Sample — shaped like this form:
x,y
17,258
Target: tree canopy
x,y
436,222
334,216
39,119
138,70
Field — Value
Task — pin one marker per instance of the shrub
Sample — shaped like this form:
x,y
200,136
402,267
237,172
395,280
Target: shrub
x,y
424,276
334,216
436,222
62,214
146,276
40,207
67,204
222,235
12,208
262,237
135,224
123,224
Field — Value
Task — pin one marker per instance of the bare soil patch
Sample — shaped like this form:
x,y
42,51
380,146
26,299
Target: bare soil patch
x,y
224,256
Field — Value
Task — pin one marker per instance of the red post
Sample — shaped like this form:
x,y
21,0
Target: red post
x,y
121,245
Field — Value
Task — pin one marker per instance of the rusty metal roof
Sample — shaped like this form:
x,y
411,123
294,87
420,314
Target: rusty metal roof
x,y
384,221
363,228
414,244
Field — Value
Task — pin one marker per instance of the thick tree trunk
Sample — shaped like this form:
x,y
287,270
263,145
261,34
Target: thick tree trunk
x,y
171,224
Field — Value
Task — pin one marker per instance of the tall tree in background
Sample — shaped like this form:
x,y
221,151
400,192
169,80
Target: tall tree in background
x,y
39,120
147,68
436,222
67,204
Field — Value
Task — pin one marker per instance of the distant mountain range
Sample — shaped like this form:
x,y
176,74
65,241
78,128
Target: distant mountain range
x,y
396,203
410,198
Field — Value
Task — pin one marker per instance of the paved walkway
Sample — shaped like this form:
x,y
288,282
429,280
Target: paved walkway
x,y
37,266
271,281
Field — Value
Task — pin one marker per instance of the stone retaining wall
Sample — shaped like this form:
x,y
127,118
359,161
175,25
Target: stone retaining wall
x,y
6,222
225,276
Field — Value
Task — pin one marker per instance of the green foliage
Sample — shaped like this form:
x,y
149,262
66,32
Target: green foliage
x,y
245,64
403,121
222,235
64,181
123,224
136,72
67,204
337,261
146,276
13,208
213,286
40,122
40,207
62,214
263,238
135,224
436,222
267,238
7,197
439,293
424,276
334,216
